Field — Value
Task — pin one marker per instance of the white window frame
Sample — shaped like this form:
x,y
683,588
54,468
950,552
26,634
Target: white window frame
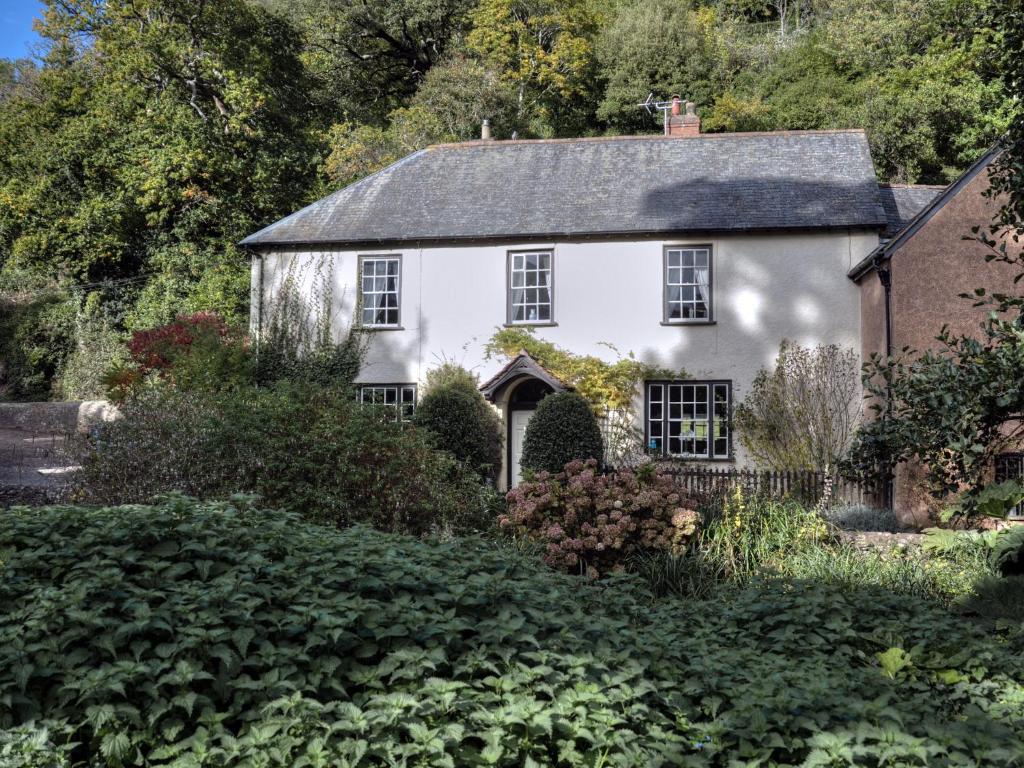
x,y
679,415
382,291
685,288
402,397
522,279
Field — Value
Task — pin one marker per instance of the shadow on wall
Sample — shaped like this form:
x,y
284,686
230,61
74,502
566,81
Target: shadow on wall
x,y
762,295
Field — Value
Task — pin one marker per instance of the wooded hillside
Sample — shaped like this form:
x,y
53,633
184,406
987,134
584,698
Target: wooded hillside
x,y
149,136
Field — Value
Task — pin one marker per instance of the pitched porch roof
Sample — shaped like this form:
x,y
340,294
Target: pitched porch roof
x,y
520,366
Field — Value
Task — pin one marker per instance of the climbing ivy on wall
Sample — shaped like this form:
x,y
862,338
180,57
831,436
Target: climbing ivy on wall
x,y
606,386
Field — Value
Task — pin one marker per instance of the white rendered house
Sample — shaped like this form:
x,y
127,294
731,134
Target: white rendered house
x,y
694,252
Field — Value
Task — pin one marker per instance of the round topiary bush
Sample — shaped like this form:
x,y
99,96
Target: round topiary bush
x,y
563,429
460,421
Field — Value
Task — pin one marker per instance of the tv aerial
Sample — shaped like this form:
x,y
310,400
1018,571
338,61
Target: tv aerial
x,y
672,106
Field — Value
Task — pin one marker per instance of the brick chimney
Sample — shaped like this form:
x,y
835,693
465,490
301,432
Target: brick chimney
x,y
678,124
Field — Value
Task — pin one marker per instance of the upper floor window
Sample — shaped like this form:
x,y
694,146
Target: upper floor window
x,y
688,284
689,419
401,397
529,299
381,288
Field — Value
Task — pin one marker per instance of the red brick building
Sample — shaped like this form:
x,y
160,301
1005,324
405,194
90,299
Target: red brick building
x,y
911,285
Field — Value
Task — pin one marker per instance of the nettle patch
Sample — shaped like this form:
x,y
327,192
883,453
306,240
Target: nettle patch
x,y
203,634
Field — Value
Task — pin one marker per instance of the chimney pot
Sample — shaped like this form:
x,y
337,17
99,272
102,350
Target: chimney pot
x,y
485,131
675,105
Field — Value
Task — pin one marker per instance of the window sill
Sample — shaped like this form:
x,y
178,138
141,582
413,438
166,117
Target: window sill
x,y
381,327
531,325
689,322
691,459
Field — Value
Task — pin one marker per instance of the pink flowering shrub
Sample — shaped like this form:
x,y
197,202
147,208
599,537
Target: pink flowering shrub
x,y
591,522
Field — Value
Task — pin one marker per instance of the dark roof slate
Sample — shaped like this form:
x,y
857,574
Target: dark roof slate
x,y
902,202
621,185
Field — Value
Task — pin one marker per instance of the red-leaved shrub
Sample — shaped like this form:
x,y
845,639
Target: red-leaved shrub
x,y
592,522
158,348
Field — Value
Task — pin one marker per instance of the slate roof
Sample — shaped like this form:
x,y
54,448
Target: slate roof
x,y
902,202
617,185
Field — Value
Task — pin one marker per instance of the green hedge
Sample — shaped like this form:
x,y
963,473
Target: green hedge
x,y
216,636
461,422
307,449
563,429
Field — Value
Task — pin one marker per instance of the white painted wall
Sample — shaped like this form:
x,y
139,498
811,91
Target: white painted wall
x,y
766,288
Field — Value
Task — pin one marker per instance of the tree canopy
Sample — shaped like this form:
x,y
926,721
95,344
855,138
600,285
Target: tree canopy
x,y
151,135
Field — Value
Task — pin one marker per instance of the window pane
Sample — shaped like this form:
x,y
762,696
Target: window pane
x,y
687,280
380,287
529,287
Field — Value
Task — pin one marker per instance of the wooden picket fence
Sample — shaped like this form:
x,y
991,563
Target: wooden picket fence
x,y
804,485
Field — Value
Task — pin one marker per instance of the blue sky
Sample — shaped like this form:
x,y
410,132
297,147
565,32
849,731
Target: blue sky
x,y
16,35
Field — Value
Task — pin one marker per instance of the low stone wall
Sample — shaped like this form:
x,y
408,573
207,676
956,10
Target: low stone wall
x,y
40,418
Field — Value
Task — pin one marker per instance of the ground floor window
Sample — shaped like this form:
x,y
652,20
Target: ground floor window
x,y
689,419
402,397
1010,466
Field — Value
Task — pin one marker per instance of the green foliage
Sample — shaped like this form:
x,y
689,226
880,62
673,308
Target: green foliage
x,y
563,429
32,746
302,448
144,156
544,51
665,47
98,348
950,408
36,335
1008,551
461,421
594,523
747,538
205,633
752,534
998,598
